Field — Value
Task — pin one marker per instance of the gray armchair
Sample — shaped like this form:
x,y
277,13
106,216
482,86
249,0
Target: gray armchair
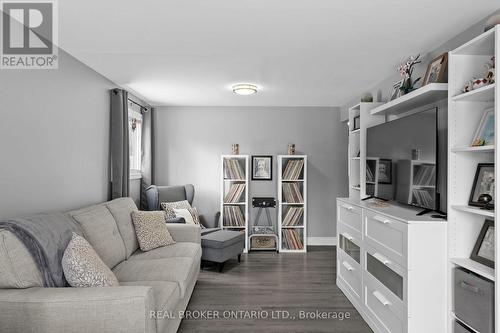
x,y
158,194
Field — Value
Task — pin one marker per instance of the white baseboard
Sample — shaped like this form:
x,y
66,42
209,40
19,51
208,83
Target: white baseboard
x,y
330,241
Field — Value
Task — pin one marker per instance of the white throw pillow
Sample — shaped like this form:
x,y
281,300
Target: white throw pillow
x,y
185,214
83,267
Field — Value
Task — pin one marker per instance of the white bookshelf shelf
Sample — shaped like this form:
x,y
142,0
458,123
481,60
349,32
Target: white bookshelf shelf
x,y
474,210
475,267
427,94
483,94
299,230
225,185
469,149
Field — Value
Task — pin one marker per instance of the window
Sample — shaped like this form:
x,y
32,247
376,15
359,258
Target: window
x,y
135,136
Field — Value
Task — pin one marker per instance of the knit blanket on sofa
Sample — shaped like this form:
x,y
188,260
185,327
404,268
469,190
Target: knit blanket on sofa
x,y
46,236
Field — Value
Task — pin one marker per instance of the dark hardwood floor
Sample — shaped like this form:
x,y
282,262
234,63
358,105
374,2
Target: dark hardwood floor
x,y
273,285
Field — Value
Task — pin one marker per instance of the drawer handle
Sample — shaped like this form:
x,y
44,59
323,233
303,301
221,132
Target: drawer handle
x,y
381,258
381,219
346,235
381,298
347,207
470,287
347,266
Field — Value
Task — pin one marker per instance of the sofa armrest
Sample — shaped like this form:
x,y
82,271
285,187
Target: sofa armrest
x,y
58,310
185,232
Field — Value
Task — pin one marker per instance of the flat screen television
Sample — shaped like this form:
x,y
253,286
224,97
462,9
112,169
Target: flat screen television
x,y
401,160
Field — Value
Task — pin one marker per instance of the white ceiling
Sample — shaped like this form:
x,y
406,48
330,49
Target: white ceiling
x,y
301,53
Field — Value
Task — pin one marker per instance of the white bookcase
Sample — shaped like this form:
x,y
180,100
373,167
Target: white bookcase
x,y
301,182
464,113
242,204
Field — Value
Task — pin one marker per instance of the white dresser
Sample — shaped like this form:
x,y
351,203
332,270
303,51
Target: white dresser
x,y
391,264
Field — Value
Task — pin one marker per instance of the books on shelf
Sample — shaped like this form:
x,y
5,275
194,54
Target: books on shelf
x,y
293,216
234,193
370,176
422,198
425,175
292,239
292,194
293,169
233,169
233,217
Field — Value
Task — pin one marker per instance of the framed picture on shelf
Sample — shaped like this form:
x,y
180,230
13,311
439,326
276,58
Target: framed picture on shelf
x,y
262,167
436,70
385,171
485,133
484,186
395,91
484,250
356,123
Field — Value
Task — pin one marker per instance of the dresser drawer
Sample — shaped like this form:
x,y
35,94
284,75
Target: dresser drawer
x,y
387,235
350,215
350,272
349,240
386,309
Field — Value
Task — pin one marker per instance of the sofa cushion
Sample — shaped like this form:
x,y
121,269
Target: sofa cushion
x,y
185,214
177,269
100,230
151,230
182,249
222,239
122,209
17,267
83,268
169,207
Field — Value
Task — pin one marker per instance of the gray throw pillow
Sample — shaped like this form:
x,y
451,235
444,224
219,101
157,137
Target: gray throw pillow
x,y
83,267
151,230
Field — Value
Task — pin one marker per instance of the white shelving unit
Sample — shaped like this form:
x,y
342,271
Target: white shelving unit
x,y
464,113
301,182
242,204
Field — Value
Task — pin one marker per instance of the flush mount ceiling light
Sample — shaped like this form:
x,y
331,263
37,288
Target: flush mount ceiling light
x,y
244,89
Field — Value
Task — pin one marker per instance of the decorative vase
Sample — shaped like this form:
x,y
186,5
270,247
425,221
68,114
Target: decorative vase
x,y
235,149
291,149
406,86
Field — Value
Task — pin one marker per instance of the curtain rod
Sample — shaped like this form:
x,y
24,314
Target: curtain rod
x,y
139,105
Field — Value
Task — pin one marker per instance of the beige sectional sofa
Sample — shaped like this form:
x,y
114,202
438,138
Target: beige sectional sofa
x,y
154,284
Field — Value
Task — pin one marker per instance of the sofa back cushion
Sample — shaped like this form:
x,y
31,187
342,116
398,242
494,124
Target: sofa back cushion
x,y
101,231
122,209
17,267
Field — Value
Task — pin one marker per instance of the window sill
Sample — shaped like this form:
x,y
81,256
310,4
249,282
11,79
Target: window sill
x,y
134,176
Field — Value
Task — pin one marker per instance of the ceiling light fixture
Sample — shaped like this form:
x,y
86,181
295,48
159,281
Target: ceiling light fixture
x,y
245,89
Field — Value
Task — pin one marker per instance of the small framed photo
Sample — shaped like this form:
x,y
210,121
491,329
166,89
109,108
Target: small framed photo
x,y
356,123
485,133
436,70
385,171
484,250
262,167
395,91
484,183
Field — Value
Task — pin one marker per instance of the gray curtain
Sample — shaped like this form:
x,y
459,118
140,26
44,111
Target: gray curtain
x,y
119,150
147,140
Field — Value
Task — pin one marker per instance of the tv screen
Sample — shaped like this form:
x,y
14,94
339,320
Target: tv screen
x,y
401,158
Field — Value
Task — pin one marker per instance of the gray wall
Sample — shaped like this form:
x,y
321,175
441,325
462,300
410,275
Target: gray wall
x,y
54,135
190,141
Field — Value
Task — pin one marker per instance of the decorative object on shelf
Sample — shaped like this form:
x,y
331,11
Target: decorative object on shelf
x,y
489,78
436,70
406,71
485,133
235,149
490,71
479,83
491,22
291,149
484,250
263,242
385,171
395,91
367,98
485,200
484,183
356,123
415,154
262,167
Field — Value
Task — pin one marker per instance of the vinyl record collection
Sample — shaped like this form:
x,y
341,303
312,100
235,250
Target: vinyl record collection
x,y
234,193
425,175
233,217
422,198
293,169
291,192
233,169
292,240
293,216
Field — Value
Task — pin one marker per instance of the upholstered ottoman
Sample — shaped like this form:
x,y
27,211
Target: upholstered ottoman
x,y
221,245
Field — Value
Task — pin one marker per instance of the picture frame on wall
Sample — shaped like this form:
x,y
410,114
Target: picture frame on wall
x,y
483,186
385,171
436,70
485,133
395,91
484,250
262,167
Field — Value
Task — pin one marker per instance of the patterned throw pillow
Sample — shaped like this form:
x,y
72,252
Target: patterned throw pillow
x,y
169,207
151,230
185,214
82,266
